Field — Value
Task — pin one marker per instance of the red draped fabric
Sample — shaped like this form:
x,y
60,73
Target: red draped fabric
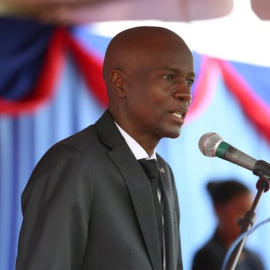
x,y
256,110
43,91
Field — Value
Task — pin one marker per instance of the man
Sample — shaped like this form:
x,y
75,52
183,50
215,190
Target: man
x,y
88,203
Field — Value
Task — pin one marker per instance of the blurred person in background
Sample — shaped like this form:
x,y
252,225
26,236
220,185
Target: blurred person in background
x,y
231,200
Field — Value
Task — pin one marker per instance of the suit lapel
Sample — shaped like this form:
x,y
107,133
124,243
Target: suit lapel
x,y
168,221
137,183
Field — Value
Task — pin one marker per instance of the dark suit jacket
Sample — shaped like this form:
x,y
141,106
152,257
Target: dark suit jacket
x,y
88,205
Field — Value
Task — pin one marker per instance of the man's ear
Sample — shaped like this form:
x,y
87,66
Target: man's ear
x,y
117,83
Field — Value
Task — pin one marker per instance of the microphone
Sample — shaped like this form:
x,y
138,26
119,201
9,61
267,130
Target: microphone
x,y
212,145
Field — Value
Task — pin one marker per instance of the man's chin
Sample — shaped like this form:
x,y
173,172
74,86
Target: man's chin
x,y
173,134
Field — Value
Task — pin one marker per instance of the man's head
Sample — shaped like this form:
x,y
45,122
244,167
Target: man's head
x,y
148,72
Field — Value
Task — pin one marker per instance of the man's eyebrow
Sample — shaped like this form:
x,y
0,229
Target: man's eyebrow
x,y
170,69
176,70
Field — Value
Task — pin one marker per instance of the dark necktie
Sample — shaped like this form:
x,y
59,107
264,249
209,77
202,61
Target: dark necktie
x,y
151,170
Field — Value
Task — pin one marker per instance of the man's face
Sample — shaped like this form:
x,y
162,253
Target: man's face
x,y
159,92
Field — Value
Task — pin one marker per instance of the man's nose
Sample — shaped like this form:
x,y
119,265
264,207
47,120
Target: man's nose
x,y
183,97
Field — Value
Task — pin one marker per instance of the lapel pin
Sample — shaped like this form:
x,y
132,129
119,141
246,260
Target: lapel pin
x,y
161,170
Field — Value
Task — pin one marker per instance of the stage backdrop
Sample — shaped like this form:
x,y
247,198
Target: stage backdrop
x,y
51,87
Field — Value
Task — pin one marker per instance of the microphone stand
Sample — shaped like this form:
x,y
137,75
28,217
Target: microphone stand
x,y
247,222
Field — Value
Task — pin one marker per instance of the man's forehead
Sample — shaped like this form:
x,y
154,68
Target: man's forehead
x,y
145,37
145,45
176,70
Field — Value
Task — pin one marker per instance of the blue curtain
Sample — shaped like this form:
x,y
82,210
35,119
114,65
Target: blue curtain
x,y
24,139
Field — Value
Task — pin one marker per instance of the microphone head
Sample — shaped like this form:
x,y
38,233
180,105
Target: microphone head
x,y
208,143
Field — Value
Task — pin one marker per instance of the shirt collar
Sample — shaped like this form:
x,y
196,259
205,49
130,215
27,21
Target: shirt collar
x,y
136,148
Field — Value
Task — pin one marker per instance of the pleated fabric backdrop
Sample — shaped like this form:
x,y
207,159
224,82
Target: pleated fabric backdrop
x,y
231,99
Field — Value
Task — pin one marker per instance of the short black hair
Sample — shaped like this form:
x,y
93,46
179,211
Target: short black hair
x,y
224,190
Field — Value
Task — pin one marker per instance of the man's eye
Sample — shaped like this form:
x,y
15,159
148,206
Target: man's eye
x,y
168,77
189,82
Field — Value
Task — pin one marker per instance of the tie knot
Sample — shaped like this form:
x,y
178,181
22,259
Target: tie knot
x,y
150,167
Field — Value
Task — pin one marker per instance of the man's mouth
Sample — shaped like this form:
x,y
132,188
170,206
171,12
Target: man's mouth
x,y
180,115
